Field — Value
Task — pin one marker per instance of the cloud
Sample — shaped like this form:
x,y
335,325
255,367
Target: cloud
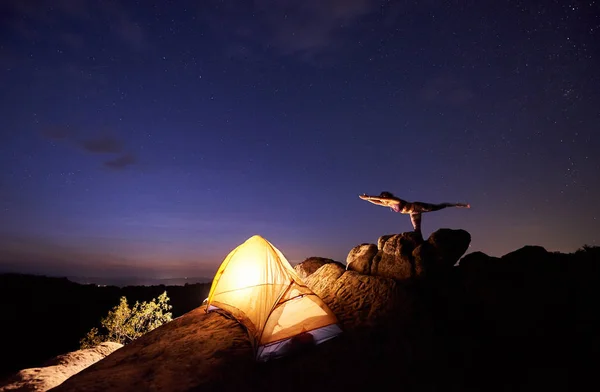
x,y
102,145
298,28
121,162
446,90
97,145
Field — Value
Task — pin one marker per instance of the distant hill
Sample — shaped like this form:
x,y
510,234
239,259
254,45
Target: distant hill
x,y
138,281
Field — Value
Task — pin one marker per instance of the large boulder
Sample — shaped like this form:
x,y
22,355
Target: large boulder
x,y
395,259
310,265
358,300
442,250
196,351
362,301
407,256
57,370
361,257
322,281
382,240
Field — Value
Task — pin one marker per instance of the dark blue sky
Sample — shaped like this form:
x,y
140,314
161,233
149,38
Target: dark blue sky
x,y
151,138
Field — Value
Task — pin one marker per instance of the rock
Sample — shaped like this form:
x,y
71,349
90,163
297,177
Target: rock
x,y
361,300
421,254
358,300
441,251
449,245
192,352
324,278
478,273
310,265
200,351
406,256
58,369
360,258
381,241
395,260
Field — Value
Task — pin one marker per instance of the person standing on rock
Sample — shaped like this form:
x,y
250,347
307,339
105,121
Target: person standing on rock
x,y
415,209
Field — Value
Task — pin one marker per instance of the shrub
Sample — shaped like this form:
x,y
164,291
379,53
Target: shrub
x,y
124,324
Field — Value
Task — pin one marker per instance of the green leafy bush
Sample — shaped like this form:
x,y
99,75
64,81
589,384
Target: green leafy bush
x,y
124,324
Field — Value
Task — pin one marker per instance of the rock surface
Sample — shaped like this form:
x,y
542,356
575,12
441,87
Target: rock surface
x,y
361,300
406,256
310,265
446,247
200,351
358,300
381,241
361,257
196,349
395,259
322,281
57,370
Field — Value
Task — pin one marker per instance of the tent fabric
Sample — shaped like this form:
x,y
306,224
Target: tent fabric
x,y
287,346
257,285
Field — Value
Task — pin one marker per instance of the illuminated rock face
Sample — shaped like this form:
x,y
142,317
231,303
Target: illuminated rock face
x,y
361,257
395,259
369,289
359,300
310,265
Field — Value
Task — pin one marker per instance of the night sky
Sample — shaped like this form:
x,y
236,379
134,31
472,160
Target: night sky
x,y
151,138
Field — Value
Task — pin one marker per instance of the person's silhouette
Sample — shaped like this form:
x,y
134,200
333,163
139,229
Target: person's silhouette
x,y
415,209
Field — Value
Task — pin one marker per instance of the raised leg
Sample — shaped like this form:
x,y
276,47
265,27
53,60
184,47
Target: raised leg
x,y
428,207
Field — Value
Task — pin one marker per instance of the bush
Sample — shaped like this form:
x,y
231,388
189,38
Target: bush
x,y
124,324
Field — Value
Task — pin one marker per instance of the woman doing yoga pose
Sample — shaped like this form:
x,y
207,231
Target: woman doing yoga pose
x,y
415,209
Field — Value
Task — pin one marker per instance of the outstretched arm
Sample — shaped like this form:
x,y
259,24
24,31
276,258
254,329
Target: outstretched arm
x,y
372,199
378,202
385,202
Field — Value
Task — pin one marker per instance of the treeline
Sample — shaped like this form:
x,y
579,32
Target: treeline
x,y
43,317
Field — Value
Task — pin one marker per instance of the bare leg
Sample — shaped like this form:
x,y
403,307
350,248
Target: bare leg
x,y
415,218
427,207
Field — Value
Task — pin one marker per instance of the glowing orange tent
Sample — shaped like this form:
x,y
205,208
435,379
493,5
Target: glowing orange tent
x,y
257,285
